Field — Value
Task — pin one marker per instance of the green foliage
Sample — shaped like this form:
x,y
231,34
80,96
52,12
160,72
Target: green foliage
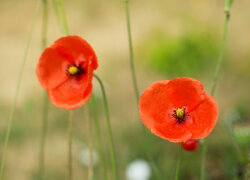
x,y
190,54
242,133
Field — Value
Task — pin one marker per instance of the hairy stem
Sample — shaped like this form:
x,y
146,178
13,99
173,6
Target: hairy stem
x,y
215,80
112,151
203,160
46,100
221,55
13,108
179,162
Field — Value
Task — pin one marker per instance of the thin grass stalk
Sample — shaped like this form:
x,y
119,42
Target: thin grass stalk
x,y
63,17
247,175
155,168
58,17
112,154
99,139
46,100
111,142
131,52
20,75
90,143
70,127
136,89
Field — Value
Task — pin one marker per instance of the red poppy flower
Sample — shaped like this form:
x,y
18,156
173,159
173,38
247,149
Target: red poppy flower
x,y
191,145
178,110
65,69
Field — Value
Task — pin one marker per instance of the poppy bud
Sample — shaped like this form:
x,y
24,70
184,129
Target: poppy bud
x,y
191,145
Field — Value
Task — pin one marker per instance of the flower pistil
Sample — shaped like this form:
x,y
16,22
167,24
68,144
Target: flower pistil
x,y
75,70
180,114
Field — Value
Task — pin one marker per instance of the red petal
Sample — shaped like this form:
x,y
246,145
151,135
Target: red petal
x,y
79,48
156,111
186,92
204,118
172,131
73,93
51,68
154,104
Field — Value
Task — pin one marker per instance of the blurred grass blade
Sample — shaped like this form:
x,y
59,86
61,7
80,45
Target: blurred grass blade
x,y
228,4
111,142
90,142
155,168
61,15
70,127
157,172
58,17
247,176
17,88
98,132
45,99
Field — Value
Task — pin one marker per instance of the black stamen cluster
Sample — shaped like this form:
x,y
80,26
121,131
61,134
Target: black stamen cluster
x,y
78,73
185,115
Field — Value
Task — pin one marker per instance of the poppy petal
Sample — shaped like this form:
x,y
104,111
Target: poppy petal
x,y
72,93
204,118
186,92
79,48
172,131
63,97
51,69
154,104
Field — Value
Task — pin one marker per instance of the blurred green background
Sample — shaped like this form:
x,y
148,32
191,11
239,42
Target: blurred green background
x,y
171,39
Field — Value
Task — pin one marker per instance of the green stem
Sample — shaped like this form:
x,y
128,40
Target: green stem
x,y
6,141
46,100
221,55
248,167
179,162
43,136
215,80
71,118
156,170
203,160
90,145
131,52
112,152
44,24
99,139
58,17
63,17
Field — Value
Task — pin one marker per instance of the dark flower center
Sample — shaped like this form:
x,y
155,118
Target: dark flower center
x,y
75,70
180,114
